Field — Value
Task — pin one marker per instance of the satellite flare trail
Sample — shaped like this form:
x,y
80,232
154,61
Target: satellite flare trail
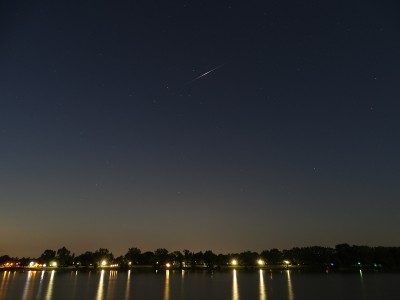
x,y
206,73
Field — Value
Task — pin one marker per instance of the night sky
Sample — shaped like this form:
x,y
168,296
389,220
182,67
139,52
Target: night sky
x,y
111,137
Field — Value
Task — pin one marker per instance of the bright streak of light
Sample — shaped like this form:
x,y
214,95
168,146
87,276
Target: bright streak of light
x,y
263,295
39,293
235,287
128,285
112,279
4,284
100,288
290,287
27,284
166,285
49,293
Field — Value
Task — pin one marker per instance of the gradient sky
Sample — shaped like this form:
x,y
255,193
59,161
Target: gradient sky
x,y
106,139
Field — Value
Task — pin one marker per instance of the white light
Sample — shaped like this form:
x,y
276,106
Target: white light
x,y
234,262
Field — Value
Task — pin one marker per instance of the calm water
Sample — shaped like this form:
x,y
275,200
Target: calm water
x,y
171,285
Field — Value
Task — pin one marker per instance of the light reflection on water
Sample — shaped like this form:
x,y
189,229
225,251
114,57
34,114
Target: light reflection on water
x,y
182,284
100,288
128,285
363,285
4,283
30,278
166,285
196,285
74,278
263,295
112,279
49,293
235,287
41,284
289,285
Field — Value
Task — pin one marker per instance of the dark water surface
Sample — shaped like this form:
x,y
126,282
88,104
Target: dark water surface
x,y
171,285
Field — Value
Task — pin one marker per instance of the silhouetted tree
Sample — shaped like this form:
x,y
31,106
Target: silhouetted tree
x,y
47,256
222,259
386,256
161,256
248,258
177,258
342,256
133,255
273,256
121,261
197,259
86,259
4,259
147,258
364,255
24,261
64,257
187,257
103,254
210,258
345,255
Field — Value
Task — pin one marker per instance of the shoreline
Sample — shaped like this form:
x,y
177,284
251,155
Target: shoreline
x,y
150,268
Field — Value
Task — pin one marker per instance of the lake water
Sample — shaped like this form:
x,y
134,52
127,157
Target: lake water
x,y
171,285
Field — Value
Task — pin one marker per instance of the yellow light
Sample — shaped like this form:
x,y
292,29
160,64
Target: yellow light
x,y
103,263
234,262
260,262
53,264
129,263
167,265
286,262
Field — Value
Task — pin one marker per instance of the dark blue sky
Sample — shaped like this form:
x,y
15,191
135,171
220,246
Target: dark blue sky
x,y
106,140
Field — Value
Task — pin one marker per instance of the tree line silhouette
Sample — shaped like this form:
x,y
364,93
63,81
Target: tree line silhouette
x,y
342,256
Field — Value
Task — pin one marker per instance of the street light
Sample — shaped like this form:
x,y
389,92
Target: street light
x,y
287,263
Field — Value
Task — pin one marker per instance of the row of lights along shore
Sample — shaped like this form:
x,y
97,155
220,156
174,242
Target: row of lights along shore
x,y
103,264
